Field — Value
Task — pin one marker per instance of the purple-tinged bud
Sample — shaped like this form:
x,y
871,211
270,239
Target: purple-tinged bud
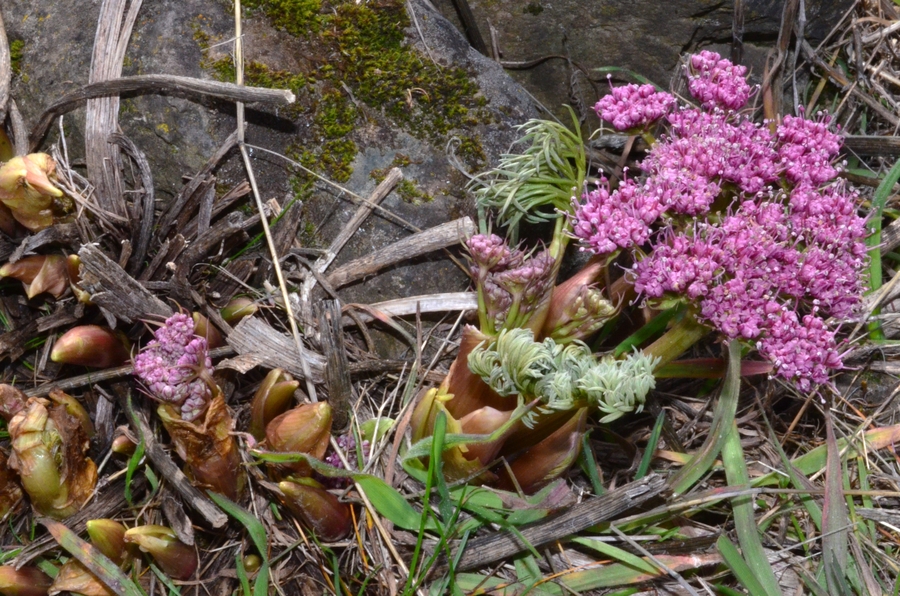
x,y
175,558
176,368
39,274
271,399
304,429
109,537
25,581
319,510
490,254
91,345
237,309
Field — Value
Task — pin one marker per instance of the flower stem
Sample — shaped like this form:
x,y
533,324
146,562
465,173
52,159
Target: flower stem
x,y
677,340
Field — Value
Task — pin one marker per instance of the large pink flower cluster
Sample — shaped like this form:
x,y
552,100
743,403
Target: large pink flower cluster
x,y
174,366
783,254
772,273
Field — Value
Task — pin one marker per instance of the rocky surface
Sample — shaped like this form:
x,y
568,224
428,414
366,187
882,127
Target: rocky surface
x,y
647,37
191,38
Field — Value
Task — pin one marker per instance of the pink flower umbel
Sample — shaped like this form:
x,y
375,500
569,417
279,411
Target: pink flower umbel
x,y
807,149
772,275
607,221
634,106
716,82
176,367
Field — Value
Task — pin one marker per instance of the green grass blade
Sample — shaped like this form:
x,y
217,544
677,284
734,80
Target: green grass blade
x,y
622,556
133,463
652,442
241,573
799,481
165,580
739,567
106,571
254,528
391,504
589,464
882,193
257,534
744,518
723,418
655,326
835,519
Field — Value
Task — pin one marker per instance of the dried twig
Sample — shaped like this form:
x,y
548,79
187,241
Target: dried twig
x,y
438,237
484,550
188,87
390,181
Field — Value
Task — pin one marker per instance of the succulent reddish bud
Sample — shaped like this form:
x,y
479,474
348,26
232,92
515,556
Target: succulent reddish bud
x,y
91,345
320,510
25,581
548,459
304,429
73,267
49,447
175,558
205,329
237,309
39,274
272,398
108,536
26,187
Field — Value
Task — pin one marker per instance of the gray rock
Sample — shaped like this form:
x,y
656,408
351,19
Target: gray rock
x,y
184,38
647,37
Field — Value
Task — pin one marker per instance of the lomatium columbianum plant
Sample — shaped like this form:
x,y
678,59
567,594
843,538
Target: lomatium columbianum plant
x,y
739,227
176,369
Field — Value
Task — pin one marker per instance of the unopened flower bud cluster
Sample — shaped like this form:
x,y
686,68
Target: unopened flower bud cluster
x,y
172,366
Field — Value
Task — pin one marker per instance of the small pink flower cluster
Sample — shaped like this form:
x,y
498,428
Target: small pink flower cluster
x,y
717,82
807,149
512,282
634,106
607,221
172,366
